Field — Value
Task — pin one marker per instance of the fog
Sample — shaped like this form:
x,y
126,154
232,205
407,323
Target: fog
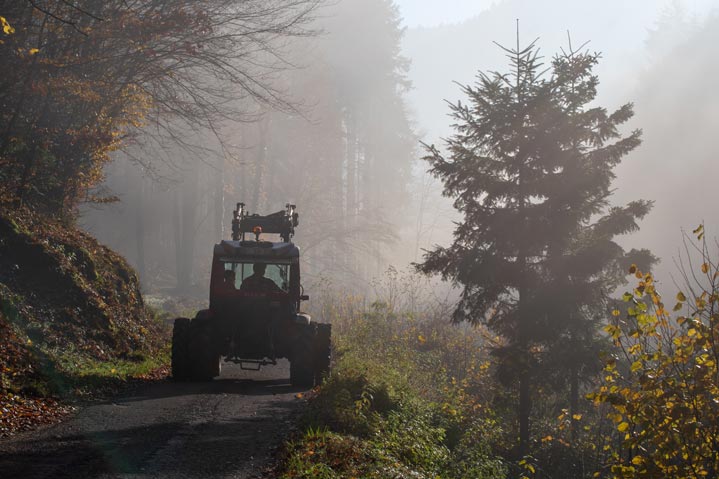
x,y
661,56
364,93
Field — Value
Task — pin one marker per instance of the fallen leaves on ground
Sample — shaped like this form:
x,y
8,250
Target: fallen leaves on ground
x,y
19,413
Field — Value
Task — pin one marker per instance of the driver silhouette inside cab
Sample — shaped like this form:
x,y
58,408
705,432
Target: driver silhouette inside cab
x,y
257,283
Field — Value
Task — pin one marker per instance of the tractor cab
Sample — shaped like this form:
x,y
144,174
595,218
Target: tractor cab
x,y
236,262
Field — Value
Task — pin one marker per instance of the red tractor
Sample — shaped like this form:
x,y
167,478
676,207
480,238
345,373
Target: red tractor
x,y
254,317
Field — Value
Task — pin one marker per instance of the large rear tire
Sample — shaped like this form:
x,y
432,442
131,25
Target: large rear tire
x,y
205,362
302,361
323,352
181,360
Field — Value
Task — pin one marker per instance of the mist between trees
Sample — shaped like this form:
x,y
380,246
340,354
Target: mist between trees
x,y
350,78
339,145
306,104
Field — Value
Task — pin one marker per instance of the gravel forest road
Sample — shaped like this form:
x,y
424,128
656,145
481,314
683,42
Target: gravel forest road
x,y
228,428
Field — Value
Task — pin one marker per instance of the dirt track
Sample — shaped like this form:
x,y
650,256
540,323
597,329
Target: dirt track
x,y
227,428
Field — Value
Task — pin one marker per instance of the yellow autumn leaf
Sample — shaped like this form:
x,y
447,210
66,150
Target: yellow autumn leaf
x,y
33,51
633,269
6,27
681,297
421,339
623,426
577,417
637,460
705,268
616,313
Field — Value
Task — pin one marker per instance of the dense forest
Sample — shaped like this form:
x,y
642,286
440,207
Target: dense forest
x,y
517,261
344,90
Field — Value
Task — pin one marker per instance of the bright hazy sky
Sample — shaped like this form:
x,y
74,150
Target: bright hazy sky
x,y
435,12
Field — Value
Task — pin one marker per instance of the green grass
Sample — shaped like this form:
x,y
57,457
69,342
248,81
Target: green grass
x,y
66,371
79,375
389,409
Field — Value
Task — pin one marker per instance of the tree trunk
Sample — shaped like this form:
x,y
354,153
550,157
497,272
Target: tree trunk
x,y
525,407
525,404
177,234
351,199
574,402
140,231
185,216
259,167
26,174
30,163
219,204
525,400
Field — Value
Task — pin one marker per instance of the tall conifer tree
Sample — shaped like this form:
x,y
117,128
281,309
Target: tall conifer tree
x,y
529,166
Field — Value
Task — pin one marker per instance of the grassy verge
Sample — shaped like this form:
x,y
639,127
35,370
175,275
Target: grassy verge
x,y
81,376
42,382
35,368
393,408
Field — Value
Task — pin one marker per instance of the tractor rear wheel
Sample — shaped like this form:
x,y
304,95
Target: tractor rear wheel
x,y
205,363
323,352
302,361
181,360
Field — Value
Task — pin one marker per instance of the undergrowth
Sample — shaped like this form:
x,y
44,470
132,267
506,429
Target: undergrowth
x,y
398,401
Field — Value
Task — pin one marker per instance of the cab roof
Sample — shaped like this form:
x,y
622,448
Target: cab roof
x,y
253,249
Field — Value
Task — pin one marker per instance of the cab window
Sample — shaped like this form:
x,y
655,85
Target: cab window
x,y
278,273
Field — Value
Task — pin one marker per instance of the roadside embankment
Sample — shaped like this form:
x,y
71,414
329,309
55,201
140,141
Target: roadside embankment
x,y
72,320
